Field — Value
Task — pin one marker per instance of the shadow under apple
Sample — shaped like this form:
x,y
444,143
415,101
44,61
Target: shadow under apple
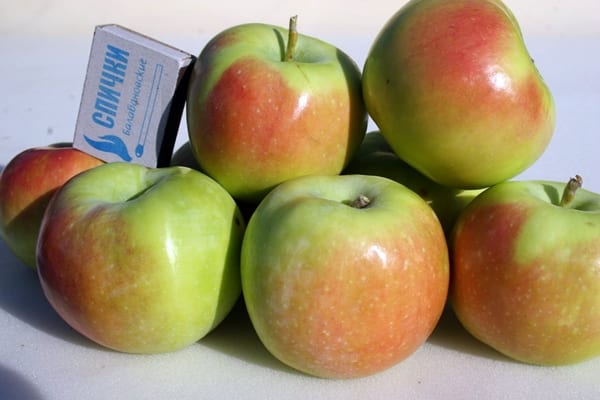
x,y
13,386
450,334
235,336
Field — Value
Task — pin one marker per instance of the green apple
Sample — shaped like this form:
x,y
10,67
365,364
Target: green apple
x,y
26,185
526,265
344,276
141,260
453,89
376,157
266,104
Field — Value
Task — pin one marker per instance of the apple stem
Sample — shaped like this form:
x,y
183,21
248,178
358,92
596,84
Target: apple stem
x,y
570,188
292,39
361,201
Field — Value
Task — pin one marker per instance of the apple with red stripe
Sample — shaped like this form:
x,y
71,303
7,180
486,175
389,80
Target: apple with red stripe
x,y
266,104
453,89
141,260
526,271
26,185
344,276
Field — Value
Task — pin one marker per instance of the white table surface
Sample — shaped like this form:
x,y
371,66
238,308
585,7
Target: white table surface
x,y
42,358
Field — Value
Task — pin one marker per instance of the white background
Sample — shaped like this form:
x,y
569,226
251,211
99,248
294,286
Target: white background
x,y
44,47
193,17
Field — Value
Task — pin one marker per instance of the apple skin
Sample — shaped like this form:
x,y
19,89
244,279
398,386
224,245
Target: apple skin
x,y
255,121
337,291
26,185
141,260
453,89
525,275
376,157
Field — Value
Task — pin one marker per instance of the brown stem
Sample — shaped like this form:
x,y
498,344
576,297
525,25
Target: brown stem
x,y
360,202
569,192
292,39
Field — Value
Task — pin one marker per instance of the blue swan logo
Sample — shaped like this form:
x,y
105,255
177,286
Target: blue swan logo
x,y
110,144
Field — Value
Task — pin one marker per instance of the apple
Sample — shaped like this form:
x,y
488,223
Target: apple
x,y
343,276
26,185
141,260
376,157
525,271
261,110
453,89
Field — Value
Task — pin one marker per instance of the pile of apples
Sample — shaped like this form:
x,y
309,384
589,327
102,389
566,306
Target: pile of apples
x,y
344,246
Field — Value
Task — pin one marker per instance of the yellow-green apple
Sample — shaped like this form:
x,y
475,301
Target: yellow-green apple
x,y
344,276
262,109
453,89
141,260
376,157
26,185
526,271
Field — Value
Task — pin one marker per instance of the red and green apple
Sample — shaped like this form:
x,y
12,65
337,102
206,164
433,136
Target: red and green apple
x,y
344,276
266,104
141,260
526,271
453,89
26,185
